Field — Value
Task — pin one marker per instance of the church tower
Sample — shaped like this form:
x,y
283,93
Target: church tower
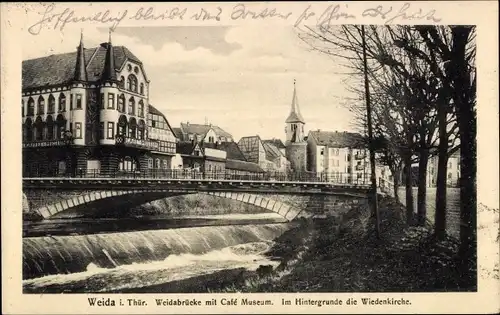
x,y
294,128
295,145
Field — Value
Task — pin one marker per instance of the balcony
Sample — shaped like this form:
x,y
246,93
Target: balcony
x,y
360,156
137,143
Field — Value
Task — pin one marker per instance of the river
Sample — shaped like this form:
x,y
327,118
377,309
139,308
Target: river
x,y
118,262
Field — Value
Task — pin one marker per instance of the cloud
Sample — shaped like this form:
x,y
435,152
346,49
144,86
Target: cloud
x,y
246,90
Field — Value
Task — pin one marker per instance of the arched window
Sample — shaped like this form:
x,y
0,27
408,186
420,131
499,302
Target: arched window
x,y
142,88
28,136
41,105
121,103
62,102
52,105
31,107
49,124
132,83
122,125
22,109
38,129
131,106
60,126
140,109
132,128
122,82
158,163
140,129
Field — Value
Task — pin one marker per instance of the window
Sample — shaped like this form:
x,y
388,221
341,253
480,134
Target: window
x,y
41,105
111,101
129,67
52,104
142,88
136,69
70,101
122,82
121,103
322,152
50,128
140,109
110,130
31,107
165,164
150,163
78,101
22,108
62,102
132,83
131,106
102,101
101,130
78,130
127,164
157,164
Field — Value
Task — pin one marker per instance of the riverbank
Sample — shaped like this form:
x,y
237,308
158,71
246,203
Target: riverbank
x,y
325,255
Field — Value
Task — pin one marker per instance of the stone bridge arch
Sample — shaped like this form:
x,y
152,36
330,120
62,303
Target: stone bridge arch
x,y
50,205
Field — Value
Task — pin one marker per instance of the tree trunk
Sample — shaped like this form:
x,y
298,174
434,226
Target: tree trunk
x,y
442,170
422,187
464,97
397,179
409,190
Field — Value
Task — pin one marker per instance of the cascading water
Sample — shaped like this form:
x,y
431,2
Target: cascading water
x,y
114,261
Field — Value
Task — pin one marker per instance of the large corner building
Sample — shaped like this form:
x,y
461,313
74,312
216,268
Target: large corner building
x,y
88,111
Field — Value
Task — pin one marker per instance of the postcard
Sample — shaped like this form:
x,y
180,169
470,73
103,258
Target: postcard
x,y
251,157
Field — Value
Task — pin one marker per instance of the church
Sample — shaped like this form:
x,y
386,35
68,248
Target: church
x,y
88,112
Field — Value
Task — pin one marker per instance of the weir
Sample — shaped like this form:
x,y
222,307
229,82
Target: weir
x,y
54,255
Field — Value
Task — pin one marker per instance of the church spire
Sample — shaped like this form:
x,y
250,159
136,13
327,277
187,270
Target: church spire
x,y
295,115
80,71
109,73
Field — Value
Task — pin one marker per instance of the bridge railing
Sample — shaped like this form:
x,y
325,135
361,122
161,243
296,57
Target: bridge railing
x,y
271,176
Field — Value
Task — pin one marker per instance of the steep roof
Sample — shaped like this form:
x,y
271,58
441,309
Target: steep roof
x,y
177,132
272,152
186,147
202,129
221,132
336,139
231,148
295,115
276,142
243,166
195,128
36,73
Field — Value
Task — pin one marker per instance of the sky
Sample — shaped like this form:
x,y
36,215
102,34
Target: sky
x,y
239,78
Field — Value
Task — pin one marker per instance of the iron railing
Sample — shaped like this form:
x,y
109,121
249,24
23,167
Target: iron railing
x,y
324,177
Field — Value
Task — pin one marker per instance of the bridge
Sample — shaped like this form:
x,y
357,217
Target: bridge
x,y
287,194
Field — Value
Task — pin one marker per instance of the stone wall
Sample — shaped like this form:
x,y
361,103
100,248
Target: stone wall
x,y
296,153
